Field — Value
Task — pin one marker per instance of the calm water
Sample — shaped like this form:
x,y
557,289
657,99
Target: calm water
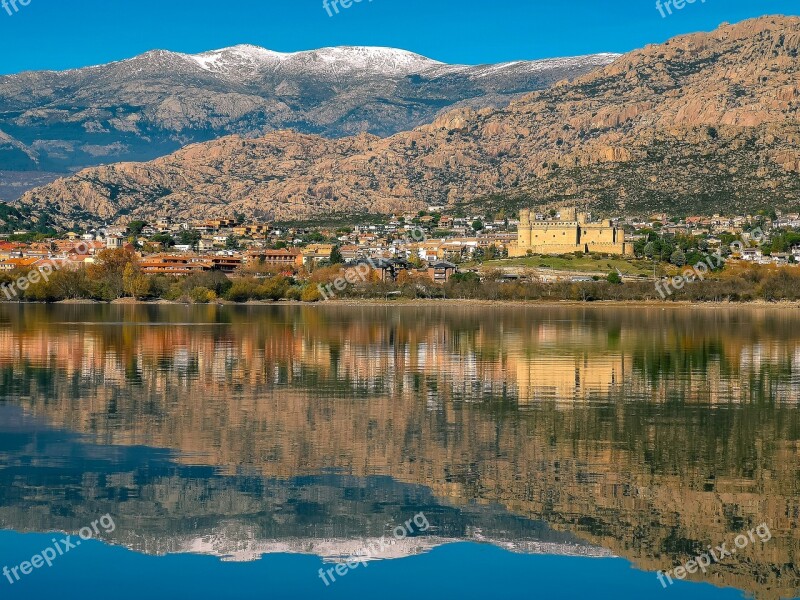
x,y
544,452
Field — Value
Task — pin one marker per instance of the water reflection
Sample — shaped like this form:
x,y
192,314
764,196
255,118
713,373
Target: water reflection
x,y
644,433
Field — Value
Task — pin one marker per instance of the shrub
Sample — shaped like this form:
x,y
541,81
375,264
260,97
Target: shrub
x,y
202,295
311,293
243,290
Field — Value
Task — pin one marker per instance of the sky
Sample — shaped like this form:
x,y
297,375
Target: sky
x,y
61,34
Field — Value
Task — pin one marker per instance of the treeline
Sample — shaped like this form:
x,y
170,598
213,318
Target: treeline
x,y
116,275
749,285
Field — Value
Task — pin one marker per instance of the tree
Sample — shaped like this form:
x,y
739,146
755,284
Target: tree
x,y
164,239
189,237
678,258
649,250
232,243
614,278
477,225
134,282
136,227
108,272
336,256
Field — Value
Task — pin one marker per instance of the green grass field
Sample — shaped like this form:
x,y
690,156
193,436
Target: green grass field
x,y
582,264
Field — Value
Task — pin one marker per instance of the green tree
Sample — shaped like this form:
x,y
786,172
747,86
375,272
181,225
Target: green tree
x,y
164,239
477,225
336,256
136,227
678,258
189,237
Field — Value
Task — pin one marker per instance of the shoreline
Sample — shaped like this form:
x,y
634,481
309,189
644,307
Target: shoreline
x,y
428,303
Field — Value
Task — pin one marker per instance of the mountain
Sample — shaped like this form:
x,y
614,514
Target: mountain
x,y
703,123
153,104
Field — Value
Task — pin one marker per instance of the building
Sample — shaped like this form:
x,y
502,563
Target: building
x,y
314,253
19,264
227,263
752,254
252,230
276,258
441,272
570,232
174,264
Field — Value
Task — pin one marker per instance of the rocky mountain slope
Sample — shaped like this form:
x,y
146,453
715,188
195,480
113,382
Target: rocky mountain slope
x,y
703,123
153,104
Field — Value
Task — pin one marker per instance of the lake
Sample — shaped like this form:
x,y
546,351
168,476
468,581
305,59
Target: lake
x,y
430,451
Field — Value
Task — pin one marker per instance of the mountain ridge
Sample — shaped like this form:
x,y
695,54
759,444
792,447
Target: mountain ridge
x,y
685,125
153,104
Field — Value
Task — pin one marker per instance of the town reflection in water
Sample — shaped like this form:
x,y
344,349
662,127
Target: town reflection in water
x,y
644,433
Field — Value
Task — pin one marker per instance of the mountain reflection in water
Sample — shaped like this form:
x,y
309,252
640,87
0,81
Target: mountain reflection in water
x,y
238,431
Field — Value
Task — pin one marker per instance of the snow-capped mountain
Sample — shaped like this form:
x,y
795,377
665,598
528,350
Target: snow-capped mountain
x,y
150,105
243,61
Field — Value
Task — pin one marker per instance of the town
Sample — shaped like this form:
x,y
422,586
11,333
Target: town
x,y
428,249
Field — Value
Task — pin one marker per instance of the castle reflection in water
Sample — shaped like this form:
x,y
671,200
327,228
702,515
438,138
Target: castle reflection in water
x,y
640,432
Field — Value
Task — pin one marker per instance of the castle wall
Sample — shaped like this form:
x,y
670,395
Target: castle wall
x,y
571,233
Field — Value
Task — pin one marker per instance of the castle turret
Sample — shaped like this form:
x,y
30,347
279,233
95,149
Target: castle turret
x,y
524,231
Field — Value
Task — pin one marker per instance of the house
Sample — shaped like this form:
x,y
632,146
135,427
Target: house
x,y
175,264
442,271
781,258
315,253
227,263
752,254
277,258
350,252
255,229
113,242
219,223
387,269
18,264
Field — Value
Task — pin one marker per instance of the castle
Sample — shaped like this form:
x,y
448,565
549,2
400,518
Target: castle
x,y
571,232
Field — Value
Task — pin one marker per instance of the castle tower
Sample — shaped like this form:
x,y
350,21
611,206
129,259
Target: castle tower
x,y
524,231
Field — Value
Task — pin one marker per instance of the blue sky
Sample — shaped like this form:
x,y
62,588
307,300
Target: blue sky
x,y
59,34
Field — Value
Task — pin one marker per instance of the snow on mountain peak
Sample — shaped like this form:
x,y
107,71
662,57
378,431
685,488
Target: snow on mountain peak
x,y
237,59
243,55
